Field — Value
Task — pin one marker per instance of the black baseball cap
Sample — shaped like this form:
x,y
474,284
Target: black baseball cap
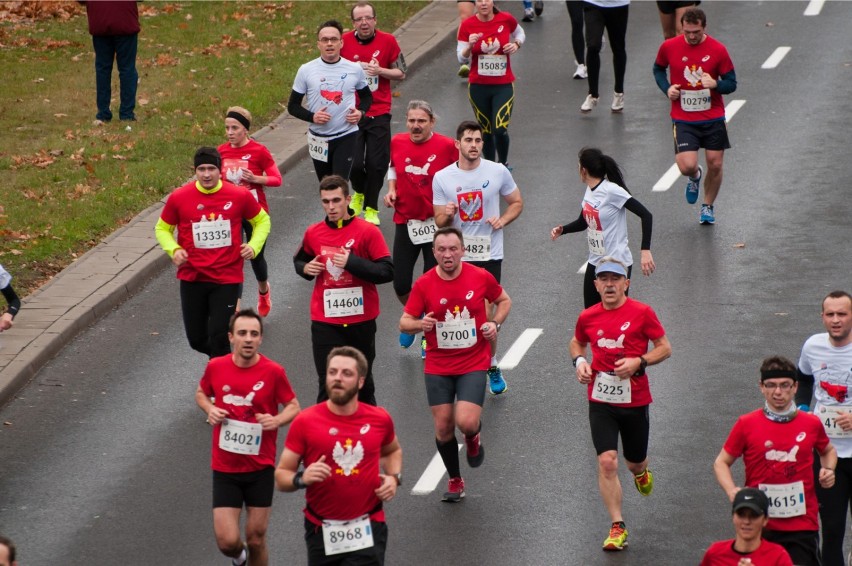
x,y
751,498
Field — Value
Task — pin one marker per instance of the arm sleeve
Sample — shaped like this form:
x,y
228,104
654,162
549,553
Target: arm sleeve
x,y
805,392
261,225
459,48
165,234
727,83
662,79
375,271
576,226
295,108
519,35
273,174
365,99
647,218
391,173
11,298
300,260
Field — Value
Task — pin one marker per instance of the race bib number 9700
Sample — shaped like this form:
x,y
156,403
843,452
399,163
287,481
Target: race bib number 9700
x,y
456,334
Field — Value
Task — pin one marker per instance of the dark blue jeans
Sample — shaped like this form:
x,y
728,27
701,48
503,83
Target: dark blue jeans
x,y
121,49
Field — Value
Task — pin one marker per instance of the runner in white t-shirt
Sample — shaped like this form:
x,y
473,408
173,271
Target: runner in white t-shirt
x,y
825,374
330,82
467,195
604,218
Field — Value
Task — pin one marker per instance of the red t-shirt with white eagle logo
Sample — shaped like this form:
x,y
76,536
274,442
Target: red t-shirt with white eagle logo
x,y
245,392
497,32
686,64
620,333
385,49
462,298
361,239
187,206
252,156
352,446
780,453
416,165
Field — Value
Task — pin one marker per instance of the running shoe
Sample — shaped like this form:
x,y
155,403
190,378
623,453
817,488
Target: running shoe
x,y
357,204
406,340
644,482
496,383
244,562
455,490
371,215
529,15
693,186
475,451
617,101
264,302
581,72
708,216
589,104
464,71
423,348
617,539
538,6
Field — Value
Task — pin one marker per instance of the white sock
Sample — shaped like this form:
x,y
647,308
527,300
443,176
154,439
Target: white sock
x,y
241,559
494,361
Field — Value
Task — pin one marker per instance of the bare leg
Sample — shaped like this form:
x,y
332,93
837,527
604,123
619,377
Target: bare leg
x,y
714,174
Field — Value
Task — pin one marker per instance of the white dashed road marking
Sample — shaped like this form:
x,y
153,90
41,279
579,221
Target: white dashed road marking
x,y
775,58
814,7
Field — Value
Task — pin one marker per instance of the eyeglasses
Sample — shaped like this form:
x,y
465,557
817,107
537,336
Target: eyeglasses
x,y
329,39
786,386
363,19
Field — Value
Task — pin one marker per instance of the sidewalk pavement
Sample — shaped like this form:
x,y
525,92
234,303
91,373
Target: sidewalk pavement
x,y
118,267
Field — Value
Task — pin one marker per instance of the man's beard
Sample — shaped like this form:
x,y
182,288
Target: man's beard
x,y
341,398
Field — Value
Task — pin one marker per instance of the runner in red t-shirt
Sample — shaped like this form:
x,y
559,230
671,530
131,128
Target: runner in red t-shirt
x,y
249,164
777,445
248,389
346,257
488,39
750,515
700,72
379,55
618,330
457,328
344,446
415,158
208,251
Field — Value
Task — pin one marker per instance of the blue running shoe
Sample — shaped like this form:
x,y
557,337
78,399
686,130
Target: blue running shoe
x,y
423,348
693,186
406,340
707,214
496,383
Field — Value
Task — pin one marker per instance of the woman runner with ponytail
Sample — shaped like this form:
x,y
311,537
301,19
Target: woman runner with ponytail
x,y
604,218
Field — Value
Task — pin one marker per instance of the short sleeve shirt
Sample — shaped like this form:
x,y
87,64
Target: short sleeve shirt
x,y
477,194
252,156
496,33
606,218
384,48
416,165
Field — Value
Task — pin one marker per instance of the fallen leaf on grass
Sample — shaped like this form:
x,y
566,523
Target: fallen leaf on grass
x,y
15,252
119,157
60,115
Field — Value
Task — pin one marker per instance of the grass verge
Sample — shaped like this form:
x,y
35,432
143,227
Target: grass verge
x,y
69,183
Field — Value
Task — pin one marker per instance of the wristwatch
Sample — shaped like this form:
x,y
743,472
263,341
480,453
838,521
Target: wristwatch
x,y
498,325
643,363
298,483
398,478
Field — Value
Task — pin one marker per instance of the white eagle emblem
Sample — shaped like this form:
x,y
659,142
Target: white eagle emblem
x,y
347,458
491,45
469,207
693,77
333,270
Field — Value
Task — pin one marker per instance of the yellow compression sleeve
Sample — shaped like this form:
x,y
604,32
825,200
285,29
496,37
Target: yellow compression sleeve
x,y
260,228
165,234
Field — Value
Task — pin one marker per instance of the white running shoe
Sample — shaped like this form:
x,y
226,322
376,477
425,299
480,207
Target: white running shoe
x,y
581,72
617,101
589,104
529,15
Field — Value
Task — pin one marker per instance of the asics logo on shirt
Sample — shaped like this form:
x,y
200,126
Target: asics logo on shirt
x,y
246,157
469,295
349,244
485,184
625,326
227,205
705,59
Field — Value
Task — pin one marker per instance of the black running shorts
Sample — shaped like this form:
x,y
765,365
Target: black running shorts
x,y
690,136
633,423
252,489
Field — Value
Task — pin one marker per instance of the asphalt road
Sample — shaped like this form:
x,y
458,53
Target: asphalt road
x,y
104,457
